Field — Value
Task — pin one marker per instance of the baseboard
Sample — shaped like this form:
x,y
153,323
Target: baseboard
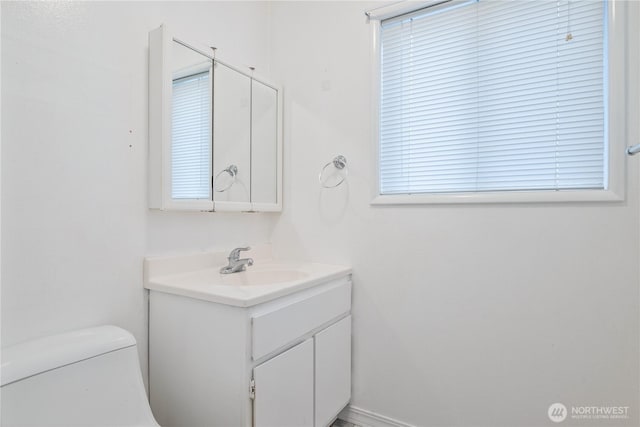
x,y
363,418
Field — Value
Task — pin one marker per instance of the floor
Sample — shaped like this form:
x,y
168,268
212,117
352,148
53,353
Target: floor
x,y
340,423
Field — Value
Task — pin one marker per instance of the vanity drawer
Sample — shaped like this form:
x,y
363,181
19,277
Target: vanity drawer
x,y
276,328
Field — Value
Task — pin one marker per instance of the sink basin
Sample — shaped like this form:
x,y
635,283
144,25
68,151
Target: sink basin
x,y
198,276
257,276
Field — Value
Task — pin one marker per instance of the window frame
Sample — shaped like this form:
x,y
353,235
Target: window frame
x,y
615,126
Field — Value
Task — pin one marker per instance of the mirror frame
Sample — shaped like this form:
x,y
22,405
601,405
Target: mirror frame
x,y
160,95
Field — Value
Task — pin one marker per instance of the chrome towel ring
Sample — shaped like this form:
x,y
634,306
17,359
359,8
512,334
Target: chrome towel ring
x,y
232,170
633,150
339,162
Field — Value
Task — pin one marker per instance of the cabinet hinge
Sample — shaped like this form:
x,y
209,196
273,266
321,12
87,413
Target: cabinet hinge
x,y
252,389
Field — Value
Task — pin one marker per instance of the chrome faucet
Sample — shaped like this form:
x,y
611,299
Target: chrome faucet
x,y
235,263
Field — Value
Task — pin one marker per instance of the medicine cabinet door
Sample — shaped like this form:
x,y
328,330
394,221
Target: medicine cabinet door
x,y
191,124
180,125
264,146
231,139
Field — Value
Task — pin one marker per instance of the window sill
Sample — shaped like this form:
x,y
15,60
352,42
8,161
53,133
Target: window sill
x,y
566,196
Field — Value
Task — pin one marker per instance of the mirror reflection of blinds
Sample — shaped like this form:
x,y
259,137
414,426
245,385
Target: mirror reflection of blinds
x,y
494,95
191,137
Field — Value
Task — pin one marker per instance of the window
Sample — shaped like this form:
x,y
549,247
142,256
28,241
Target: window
x,y
191,137
494,96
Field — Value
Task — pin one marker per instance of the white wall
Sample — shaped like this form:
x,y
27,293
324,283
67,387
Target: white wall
x,y
463,315
75,226
479,315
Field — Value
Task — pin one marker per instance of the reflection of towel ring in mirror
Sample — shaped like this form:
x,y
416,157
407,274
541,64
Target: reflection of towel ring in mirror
x,y
232,170
339,162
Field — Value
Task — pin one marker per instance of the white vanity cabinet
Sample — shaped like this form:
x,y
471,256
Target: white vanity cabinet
x,y
283,362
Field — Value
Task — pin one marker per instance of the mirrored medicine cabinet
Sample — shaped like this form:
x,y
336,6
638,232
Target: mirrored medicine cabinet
x,y
215,131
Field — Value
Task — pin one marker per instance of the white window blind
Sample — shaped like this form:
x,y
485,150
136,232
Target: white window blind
x,y
494,95
191,137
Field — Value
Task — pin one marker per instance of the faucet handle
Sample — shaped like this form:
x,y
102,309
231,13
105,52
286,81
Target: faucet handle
x,y
235,254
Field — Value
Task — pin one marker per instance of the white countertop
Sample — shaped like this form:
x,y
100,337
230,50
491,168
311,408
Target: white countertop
x,y
198,276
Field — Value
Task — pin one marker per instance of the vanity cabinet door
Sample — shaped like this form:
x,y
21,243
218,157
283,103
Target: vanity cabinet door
x,y
284,389
333,371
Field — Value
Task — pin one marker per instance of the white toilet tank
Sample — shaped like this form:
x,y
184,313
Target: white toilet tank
x,y
89,377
